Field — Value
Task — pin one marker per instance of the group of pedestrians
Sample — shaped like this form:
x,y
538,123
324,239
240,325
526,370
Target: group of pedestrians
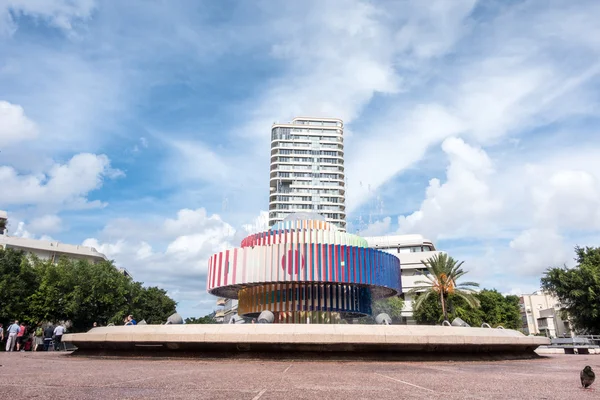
x,y
17,336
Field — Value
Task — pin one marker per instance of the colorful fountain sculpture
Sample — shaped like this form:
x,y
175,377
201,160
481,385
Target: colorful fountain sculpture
x,y
304,270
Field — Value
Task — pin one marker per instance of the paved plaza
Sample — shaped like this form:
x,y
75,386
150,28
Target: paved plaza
x,y
61,375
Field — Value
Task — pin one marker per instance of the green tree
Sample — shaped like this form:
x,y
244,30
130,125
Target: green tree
x,y
18,281
35,291
429,311
443,272
494,309
152,304
79,291
207,319
498,310
578,289
392,306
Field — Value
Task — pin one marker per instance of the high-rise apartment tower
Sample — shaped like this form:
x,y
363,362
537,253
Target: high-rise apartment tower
x,y
307,169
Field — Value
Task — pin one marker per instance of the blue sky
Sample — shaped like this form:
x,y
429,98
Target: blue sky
x,y
142,128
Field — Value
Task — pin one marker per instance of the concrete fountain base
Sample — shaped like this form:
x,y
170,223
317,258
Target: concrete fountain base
x,y
377,341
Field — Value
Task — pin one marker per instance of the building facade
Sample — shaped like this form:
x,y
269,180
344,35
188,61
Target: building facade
x,y
540,313
50,250
410,250
47,250
226,311
307,170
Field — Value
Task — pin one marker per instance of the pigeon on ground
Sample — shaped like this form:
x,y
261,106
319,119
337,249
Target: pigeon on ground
x,y
587,377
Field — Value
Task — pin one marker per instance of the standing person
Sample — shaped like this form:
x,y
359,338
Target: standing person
x,y
48,333
12,332
28,341
21,337
1,332
58,333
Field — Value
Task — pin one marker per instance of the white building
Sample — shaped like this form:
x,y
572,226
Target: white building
x,y
227,312
47,250
307,169
50,250
540,313
411,250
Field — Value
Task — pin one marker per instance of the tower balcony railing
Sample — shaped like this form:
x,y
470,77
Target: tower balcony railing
x,y
279,199
276,206
308,192
284,167
326,200
279,144
312,152
299,176
321,162
308,139
290,174
286,160
318,184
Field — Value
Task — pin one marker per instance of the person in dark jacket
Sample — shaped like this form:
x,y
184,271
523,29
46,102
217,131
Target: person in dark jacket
x,y
48,333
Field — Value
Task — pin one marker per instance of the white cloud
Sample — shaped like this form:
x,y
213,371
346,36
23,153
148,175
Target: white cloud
x,y
201,162
174,257
502,82
394,146
568,199
536,249
189,221
432,28
22,232
58,13
62,186
45,224
14,125
346,52
260,224
111,250
462,205
538,208
144,251
377,228
143,144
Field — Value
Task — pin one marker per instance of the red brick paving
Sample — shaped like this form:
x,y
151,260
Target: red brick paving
x,y
60,375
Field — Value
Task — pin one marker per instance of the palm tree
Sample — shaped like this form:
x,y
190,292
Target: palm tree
x,y
443,272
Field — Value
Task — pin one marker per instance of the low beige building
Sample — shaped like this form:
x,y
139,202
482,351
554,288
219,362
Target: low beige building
x,y
541,314
50,250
